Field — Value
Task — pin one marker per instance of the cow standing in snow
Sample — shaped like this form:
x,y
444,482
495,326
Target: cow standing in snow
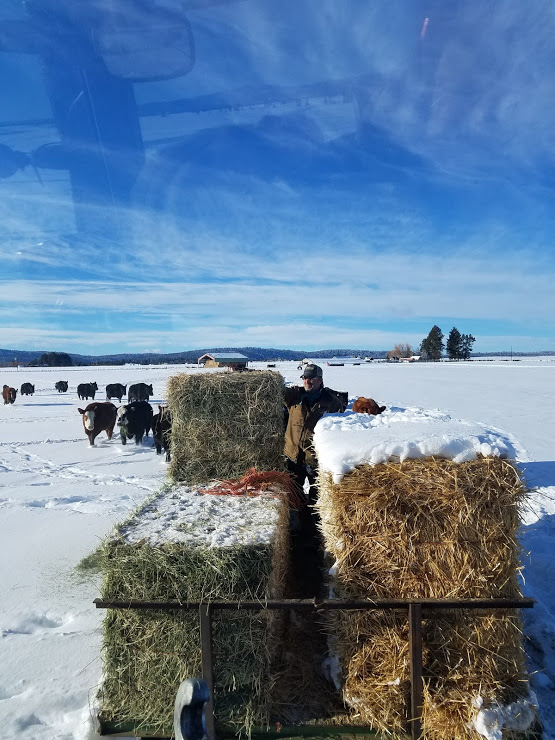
x,y
115,390
98,417
139,392
86,391
8,394
134,420
162,431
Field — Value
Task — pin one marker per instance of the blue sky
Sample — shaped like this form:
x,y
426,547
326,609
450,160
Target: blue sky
x,y
281,174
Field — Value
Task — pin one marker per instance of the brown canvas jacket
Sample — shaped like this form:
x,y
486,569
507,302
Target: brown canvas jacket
x,y
302,420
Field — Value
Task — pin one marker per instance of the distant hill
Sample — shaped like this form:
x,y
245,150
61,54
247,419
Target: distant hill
x,y
260,354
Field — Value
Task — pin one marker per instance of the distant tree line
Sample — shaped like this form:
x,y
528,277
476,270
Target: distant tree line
x,y
52,359
458,346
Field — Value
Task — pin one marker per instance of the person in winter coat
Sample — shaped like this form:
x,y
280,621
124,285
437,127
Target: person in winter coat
x,y
306,406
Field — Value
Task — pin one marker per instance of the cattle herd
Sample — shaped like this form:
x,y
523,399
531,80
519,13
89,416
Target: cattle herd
x,y
135,419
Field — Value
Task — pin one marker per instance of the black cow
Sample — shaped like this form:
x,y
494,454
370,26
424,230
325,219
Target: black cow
x,y
162,431
98,417
84,390
139,392
343,397
134,420
115,390
61,386
27,389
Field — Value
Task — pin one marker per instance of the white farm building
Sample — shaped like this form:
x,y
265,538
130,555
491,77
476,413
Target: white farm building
x,y
234,360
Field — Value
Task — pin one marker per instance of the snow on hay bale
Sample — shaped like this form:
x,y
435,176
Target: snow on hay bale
x,y
189,545
225,423
416,505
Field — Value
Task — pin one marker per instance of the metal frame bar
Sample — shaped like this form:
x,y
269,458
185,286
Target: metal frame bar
x,y
416,688
413,606
205,616
518,603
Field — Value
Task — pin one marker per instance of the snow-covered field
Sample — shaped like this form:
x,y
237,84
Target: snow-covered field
x,y
59,497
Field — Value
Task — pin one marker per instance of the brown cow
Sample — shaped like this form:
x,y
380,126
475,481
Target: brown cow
x,y
8,394
99,416
367,406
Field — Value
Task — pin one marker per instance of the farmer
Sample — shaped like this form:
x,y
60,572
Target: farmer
x,y
306,406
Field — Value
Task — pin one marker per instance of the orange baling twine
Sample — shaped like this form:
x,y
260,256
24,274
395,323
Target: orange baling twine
x,y
254,482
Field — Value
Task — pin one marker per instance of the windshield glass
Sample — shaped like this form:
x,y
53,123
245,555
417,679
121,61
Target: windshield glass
x,y
180,174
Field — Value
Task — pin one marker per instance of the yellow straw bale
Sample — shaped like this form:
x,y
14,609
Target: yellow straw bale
x,y
426,528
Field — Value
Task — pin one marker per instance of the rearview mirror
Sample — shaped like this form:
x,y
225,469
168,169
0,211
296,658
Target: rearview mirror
x,y
143,45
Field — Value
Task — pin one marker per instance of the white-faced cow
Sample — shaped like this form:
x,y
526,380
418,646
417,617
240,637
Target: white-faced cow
x,y
162,431
134,420
61,386
86,391
27,389
8,394
98,417
139,392
115,390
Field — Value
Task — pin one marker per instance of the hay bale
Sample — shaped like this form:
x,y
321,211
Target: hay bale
x,y
189,545
425,528
224,424
428,528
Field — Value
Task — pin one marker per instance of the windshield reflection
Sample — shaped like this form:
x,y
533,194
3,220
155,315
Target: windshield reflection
x,y
202,134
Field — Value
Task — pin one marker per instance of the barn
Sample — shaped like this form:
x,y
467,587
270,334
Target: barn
x,y
234,360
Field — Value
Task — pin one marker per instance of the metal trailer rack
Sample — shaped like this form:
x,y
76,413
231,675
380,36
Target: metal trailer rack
x,y
414,607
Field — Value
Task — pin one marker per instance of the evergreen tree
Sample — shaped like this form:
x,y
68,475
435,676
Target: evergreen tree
x,y
467,340
432,347
54,359
453,346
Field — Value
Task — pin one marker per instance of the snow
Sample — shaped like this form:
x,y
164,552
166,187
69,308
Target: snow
x,y
59,498
344,441
193,516
517,715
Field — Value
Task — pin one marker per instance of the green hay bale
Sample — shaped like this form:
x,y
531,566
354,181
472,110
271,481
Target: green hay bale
x,y
225,423
160,555
91,563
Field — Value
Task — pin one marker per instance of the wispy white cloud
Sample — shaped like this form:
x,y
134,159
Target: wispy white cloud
x,y
288,336
353,298
298,335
